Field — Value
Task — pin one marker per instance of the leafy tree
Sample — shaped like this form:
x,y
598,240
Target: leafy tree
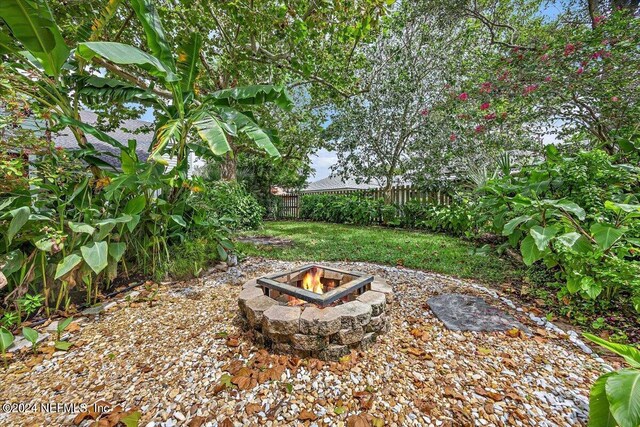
x,y
566,77
378,134
301,45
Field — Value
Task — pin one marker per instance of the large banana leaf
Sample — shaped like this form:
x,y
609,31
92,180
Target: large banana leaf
x,y
156,40
253,95
166,135
32,24
188,60
210,130
94,89
244,124
7,44
99,23
69,121
119,53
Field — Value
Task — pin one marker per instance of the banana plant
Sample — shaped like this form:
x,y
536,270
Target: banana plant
x,y
615,396
36,46
179,109
40,64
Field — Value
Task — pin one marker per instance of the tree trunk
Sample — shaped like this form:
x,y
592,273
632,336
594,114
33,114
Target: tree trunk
x,y
228,167
386,191
594,10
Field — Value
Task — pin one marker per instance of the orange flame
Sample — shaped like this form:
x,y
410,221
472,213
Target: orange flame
x,y
311,281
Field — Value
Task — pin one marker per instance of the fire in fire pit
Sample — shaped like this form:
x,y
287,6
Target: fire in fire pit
x,y
316,311
314,284
311,281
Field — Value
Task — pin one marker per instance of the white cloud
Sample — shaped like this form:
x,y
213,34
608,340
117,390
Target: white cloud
x,y
322,162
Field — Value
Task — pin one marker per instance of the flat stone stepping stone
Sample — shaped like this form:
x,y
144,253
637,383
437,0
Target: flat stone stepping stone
x,y
470,313
265,241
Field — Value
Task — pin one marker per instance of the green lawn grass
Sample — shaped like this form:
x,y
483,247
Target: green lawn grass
x,y
315,241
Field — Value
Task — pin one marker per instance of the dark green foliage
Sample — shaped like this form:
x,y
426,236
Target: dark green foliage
x,y
198,251
456,218
65,229
343,209
230,203
578,215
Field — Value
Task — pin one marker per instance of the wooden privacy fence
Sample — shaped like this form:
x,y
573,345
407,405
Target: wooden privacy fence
x,y
290,203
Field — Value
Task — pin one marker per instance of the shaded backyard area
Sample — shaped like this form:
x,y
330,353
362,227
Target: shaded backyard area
x,y
187,359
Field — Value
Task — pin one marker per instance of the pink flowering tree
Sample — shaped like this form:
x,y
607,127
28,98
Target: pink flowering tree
x,y
578,81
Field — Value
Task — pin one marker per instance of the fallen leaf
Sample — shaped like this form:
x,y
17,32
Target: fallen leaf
x,y
450,392
416,351
253,408
367,404
226,423
358,421
307,416
81,417
484,351
34,361
196,421
47,350
513,333
73,327
242,382
424,406
339,410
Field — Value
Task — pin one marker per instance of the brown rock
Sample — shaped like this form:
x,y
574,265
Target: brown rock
x,y
316,321
256,307
376,300
280,319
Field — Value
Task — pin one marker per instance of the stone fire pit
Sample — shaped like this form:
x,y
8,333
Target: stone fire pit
x,y
339,312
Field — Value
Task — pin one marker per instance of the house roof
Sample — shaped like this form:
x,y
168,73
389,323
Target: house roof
x,y
335,183
138,130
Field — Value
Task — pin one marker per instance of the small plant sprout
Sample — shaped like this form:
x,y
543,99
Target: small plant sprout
x,y
152,293
6,339
10,319
31,335
62,325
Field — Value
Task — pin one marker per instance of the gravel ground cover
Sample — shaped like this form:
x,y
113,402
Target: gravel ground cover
x,y
186,360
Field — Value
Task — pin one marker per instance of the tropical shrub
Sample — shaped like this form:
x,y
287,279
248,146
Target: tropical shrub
x,y
579,215
343,209
457,218
68,229
615,396
230,203
65,227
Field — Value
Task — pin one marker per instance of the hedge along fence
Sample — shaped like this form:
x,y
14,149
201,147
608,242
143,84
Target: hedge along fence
x,y
457,217
289,205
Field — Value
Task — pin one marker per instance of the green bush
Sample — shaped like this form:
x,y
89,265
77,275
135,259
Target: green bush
x,y
457,218
63,228
342,209
230,203
578,214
